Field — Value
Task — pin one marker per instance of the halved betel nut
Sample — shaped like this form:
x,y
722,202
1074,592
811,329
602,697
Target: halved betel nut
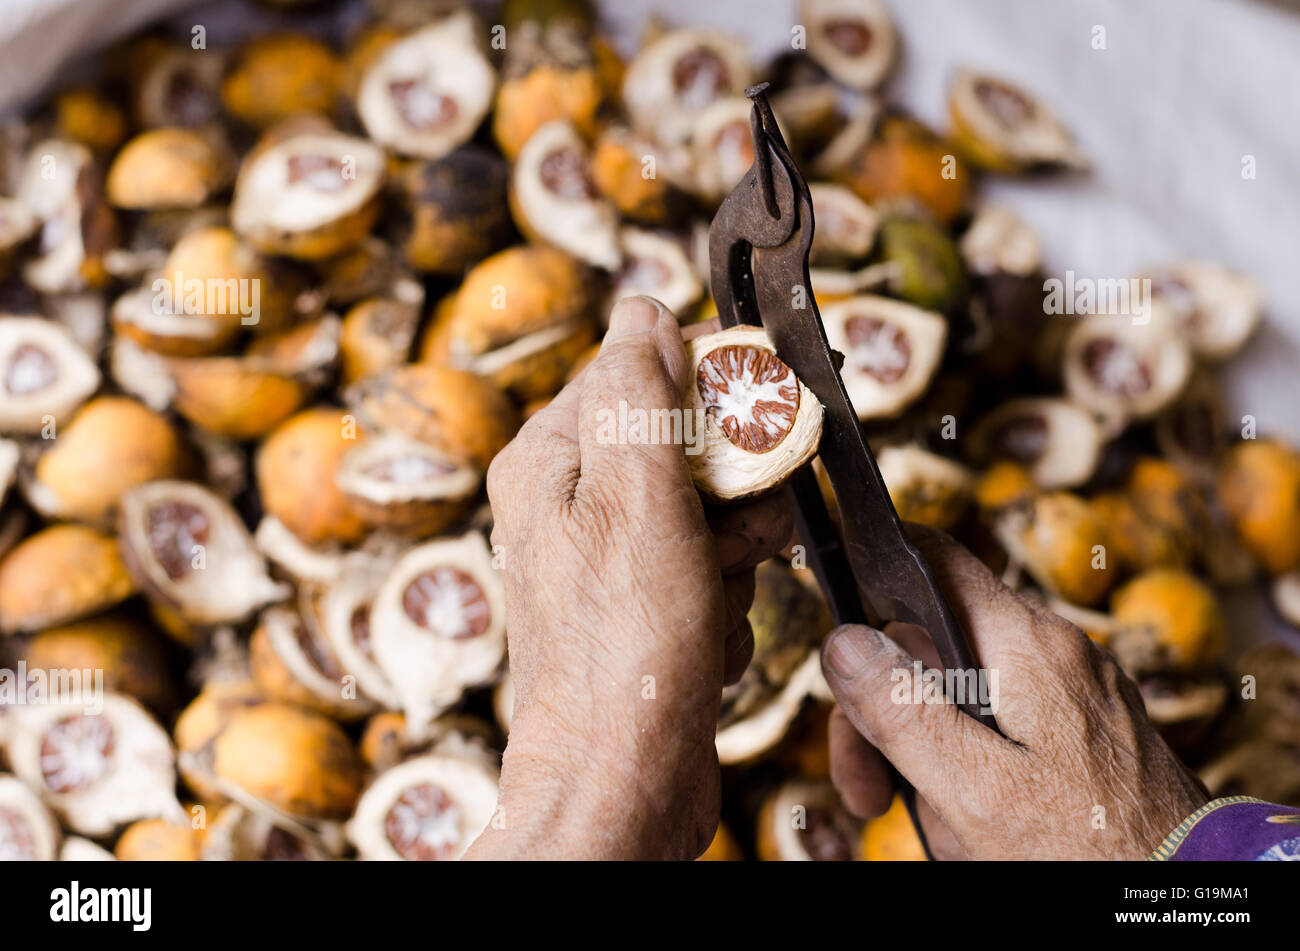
x,y
846,225
1121,370
721,147
280,75
28,833
853,40
44,375
519,320
310,194
1004,128
205,717
343,610
427,809
62,188
60,574
175,85
1217,308
1194,433
400,483
656,266
924,486
1061,541
1057,441
458,210
805,821
239,834
437,625
643,180
891,351
169,168
291,661
755,423
148,319
427,93
998,241
555,200
1259,487
378,332
302,563
97,767
189,551
675,76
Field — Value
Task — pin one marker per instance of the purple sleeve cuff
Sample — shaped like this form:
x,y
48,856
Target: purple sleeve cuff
x,y
1237,828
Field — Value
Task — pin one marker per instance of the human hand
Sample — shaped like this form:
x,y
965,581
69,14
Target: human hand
x,y
1081,772
626,600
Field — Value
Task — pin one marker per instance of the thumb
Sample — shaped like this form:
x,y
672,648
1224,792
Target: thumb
x,y
884,692
638,374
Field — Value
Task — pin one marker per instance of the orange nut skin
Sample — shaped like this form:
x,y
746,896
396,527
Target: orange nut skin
x,y
1259,485
60,574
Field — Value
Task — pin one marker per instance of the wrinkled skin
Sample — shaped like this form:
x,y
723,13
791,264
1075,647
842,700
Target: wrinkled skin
x,y
1077,735
616,573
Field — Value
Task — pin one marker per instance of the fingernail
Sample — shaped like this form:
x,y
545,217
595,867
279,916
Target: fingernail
x,y
633,315
849,649
733,549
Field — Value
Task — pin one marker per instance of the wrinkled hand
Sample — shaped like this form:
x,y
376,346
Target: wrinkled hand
x,y
1081,773
626,601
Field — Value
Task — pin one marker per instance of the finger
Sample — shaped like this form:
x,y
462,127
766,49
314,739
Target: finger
x,y
933,744
751,533
738,651
938,836
631,394
737,598
861,774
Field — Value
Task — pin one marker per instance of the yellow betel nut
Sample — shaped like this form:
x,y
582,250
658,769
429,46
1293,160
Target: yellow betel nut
x,y
1259,485
1178,611
892,837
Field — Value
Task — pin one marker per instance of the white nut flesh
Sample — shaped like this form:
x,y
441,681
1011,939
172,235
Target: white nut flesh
x,y
49,187
1121,370
846,225
306,182
1006,119
853,40
999,241
187,547
437,625
427,94
17,224
555,195
391,469
1218,309
287,551
824,832
755,734
1059,442
28,833
144,314
427,809
238,834
722,146
97,768
891,351
656,266
301,648
674,77
77,849
754,422
44,375
344,611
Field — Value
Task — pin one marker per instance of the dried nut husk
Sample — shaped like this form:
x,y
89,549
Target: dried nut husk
x,y
925,488
759,711
1159,518
205,717
891,351
368,269
278,76
892,837
1058,442
168,168
427,809
1183,709
129,653
1121,370
175,87
1166,620
343,610
927,268
639,177
804,821
44,375
60,574
1001,127
97,765
1061,541
308,192
295,475
846,225
555,201
1259,487
63,189
721,147
675,76
458,210
141,374
426,94
112,445
292,760
897,163
378,333
28,833
145,318
755,422
190,552
853,40
303,563
1218,309
519,320
1194,433
238,834
17,224
159,840
656,266
998,241
291,661
809,113
397,482
437,625
88,116
386,741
